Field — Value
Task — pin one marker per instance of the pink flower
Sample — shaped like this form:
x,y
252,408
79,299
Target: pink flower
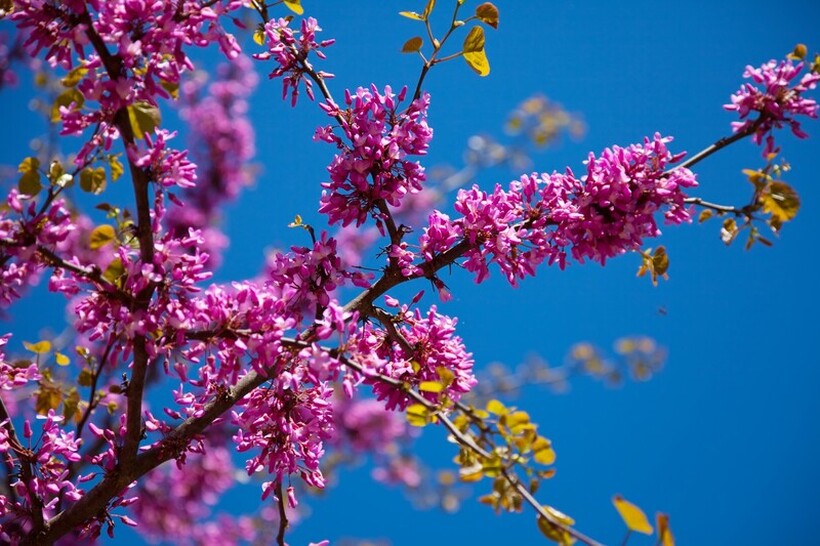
x,y
776,100
373,165
433,352
292,52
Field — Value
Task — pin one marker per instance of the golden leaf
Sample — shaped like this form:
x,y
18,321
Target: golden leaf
x,y
633,517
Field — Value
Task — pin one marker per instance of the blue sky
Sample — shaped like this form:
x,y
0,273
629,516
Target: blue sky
x,y
725,439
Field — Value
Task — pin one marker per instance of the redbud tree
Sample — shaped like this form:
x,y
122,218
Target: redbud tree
x,y
163,379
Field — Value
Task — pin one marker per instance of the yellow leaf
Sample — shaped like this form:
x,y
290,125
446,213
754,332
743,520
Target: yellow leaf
x,y
101,236
474,51
665,537
116,167
780,200
556,532
412,45
633,517
39,348
411,15
431,386
295,6
496,407
428,9
418,415
542,451
488,13
62,360
29,164
259,36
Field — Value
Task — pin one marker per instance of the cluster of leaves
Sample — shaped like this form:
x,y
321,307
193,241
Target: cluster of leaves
x,y
472,49
773,203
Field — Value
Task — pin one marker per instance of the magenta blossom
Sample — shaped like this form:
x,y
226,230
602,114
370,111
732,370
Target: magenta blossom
x,y
776,99
291,53
372,167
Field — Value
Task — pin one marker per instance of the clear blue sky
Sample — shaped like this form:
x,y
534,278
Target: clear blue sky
x,y
726,438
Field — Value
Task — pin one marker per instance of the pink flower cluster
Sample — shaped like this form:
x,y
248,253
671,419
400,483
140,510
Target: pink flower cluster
x,y
601,215
776,98
287,423
373,165
176,270
146,40
49,458
22,229
167,167
307,277
430,351
291,53
13,376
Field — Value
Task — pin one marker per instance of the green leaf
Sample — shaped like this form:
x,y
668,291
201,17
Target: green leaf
x,y
29,183
92,180
144,118
74,76
66,98
101,236
487,13
411,15
474,52
86,378
412,45
295,6
660,261
171,87
114,272
71,405
39,348
633,517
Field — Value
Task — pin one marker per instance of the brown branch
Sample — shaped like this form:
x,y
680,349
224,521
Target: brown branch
x,y
26,469
141,181
283,517
719,145
461,438
113,483
724,209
